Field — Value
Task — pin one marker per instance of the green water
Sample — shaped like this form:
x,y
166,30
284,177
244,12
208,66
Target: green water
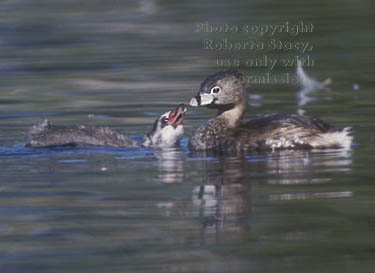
x,y
121,64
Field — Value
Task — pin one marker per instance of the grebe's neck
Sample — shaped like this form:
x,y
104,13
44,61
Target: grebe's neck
x,y
233,116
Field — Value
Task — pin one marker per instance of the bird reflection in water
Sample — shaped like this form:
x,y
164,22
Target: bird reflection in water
x,y
292,167
221,197
296,168
170,165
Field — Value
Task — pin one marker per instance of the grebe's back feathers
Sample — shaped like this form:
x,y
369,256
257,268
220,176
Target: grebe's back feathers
x,y
46,134
288,131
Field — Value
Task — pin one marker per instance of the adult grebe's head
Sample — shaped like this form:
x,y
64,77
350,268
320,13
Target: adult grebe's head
x,y
223,90
168,129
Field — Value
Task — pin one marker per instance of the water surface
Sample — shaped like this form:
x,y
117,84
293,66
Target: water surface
x,y
121,64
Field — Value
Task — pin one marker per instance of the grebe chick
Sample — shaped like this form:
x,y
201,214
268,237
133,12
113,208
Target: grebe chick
x,y
167,131
225,91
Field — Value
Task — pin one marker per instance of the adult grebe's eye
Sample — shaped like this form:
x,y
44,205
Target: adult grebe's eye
x,y
215,89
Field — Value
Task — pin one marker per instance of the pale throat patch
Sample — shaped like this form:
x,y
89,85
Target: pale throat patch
x,y
168,136
233,116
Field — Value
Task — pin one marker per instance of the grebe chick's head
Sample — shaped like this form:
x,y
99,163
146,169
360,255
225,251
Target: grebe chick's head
x,y
223,90
168,129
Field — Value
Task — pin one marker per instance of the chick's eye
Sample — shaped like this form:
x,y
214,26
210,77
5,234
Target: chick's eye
x,y
164,120
215,89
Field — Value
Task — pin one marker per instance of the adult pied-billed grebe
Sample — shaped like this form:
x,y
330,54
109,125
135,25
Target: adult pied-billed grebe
x,y
167,132
226,92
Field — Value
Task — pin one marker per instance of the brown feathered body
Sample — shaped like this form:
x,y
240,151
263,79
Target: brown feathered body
x,y
270,132
228,131
46,134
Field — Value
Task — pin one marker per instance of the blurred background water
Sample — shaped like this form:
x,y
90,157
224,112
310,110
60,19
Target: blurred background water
x,y
121,64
